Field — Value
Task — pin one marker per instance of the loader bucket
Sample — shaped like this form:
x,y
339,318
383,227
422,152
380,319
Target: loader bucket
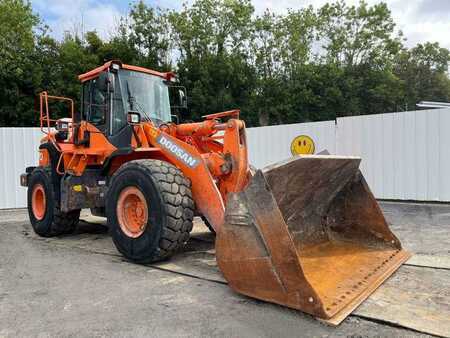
x,y
307,233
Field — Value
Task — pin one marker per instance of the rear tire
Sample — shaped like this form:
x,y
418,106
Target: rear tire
x,y
150,210
46,218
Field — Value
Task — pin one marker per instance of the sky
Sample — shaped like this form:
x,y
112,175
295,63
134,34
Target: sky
x,y
419,20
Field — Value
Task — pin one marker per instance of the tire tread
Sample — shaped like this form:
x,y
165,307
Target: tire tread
x,y
62,223
178,203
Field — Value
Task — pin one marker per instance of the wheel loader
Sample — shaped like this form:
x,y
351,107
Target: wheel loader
x,y
306,233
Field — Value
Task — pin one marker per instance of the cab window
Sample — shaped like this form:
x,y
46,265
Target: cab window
x,y
86,97
119,119
98,108
95,104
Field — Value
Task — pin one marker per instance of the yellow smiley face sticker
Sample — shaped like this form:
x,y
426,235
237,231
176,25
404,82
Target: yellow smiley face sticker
x,y
302,145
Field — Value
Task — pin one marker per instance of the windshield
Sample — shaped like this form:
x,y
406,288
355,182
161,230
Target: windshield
x,y
146,94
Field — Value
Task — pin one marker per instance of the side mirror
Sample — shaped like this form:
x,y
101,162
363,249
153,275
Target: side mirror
x,y
133,117
182,98
105,82
178,97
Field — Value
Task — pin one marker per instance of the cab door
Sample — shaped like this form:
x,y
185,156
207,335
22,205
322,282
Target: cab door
x,y
95,106
105,110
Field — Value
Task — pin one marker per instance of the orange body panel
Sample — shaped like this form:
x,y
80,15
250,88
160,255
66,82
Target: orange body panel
x,y
76,158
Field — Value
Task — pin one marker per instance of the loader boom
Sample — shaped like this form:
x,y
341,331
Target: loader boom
x,y
208,162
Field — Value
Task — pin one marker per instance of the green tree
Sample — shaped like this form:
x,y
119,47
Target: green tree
x,y
120,47
266,45
211,39
424,72
310,64
150,33
19,29
354,35
362,41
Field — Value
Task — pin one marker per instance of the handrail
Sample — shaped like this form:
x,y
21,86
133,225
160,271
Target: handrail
x,y
43,99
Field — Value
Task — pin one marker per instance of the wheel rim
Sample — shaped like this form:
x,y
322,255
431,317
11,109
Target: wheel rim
x,y
38,202
132,212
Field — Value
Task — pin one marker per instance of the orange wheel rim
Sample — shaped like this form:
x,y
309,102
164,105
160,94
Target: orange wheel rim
x,y
132,212
38,202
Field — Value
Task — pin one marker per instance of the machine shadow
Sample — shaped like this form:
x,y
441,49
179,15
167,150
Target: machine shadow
x,y
201,239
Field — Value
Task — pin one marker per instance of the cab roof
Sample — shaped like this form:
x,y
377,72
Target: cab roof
x,y
96,72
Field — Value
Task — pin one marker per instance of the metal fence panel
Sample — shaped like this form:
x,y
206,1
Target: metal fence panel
x,y
18,150
405,156
444,155
267,145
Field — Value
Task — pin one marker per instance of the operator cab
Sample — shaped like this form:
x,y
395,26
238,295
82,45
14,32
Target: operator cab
x,y
112,92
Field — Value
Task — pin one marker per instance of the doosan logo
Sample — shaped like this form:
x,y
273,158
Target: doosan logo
x,y
179,152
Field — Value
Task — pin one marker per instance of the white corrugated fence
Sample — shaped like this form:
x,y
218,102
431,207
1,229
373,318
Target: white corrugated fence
x,y
267,145
18,150
405,156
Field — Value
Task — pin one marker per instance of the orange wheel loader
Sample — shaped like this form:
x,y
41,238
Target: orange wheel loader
x,y
306,233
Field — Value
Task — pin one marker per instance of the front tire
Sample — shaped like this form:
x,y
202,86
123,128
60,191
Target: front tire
x,y
150,210
45,216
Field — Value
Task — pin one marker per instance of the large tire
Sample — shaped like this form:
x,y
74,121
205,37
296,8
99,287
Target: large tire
x,y
149,209
45,216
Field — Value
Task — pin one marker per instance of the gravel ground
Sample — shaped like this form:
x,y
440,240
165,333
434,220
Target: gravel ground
x,y
62,290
